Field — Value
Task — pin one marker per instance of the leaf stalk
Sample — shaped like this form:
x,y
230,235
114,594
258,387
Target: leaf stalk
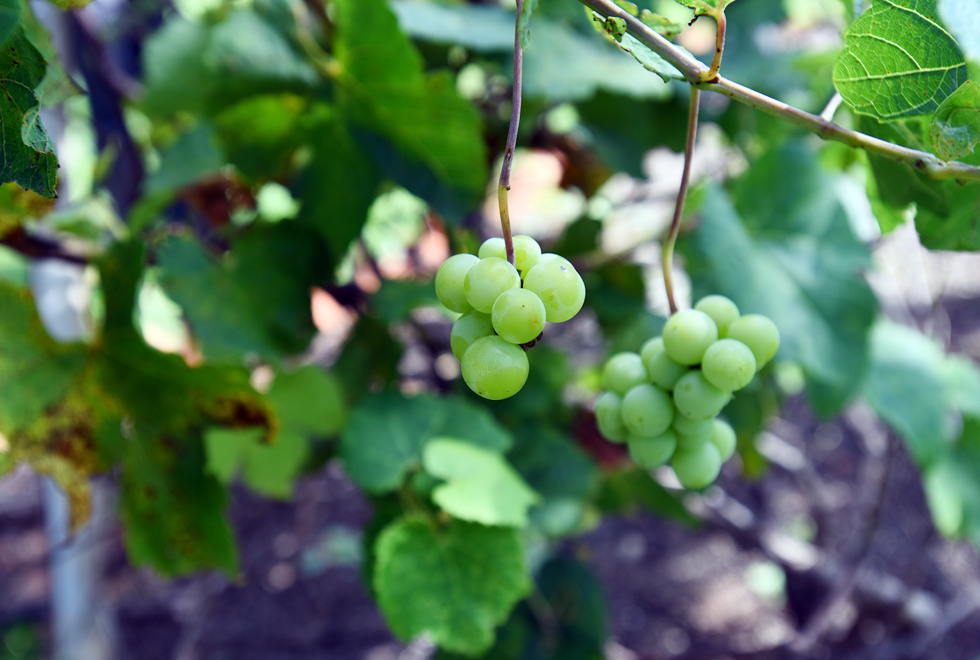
x,y
515,120
667,255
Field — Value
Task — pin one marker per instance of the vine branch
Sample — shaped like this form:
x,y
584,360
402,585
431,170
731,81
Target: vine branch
x,y
697,73
667,256
515,120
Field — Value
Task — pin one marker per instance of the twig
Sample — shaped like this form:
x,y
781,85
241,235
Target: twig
x,y
667,257
515,121
719,46
696,72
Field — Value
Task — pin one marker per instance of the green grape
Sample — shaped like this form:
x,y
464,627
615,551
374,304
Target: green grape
x,y
551,256
692,433
526,252
493,247
697,468
728,365
450,279
494,368
698,399
759,333
609,418
651,348
723,437
688,334
560,288
518,316
664,372
721,310
486,280
623,371
650,453
647,410
467,329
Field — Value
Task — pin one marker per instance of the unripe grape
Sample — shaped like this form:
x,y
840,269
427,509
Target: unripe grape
x,y
688,334
609,417
728,364
698,399
759,333
560,288
664,372
486,280
526,252
467,329
721,310
697,468
450,281
494,368
647,410
692,433
723,437
518,316
623,371
651,348
493,247
650,453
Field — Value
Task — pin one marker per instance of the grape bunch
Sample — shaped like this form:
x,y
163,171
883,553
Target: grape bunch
x,y
504,309
664,400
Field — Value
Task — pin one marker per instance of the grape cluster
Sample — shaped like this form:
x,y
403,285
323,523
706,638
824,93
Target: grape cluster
x,y
504,309
664,400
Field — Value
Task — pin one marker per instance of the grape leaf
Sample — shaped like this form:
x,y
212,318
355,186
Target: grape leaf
x,y
308,401
481,487
383,87
560,472
481,28
386,434
907,387
268,468
899,61
26,153
650,60
955,128
455,584
963,19
709,7
202,68
35,371
259,133
789,253
255,299
9,18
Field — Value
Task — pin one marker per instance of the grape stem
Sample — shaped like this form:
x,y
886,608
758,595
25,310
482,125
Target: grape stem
x,y
667,257
719,46
695,72
515,121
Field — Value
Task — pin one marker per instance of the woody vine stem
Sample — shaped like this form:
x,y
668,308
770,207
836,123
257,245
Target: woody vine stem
x,y
515,119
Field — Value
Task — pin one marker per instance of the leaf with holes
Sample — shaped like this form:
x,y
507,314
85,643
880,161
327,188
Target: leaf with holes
x,y
955,128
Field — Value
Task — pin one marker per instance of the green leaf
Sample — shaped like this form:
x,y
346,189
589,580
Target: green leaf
x,y
259,133
28,156
386,434
9,18
899,61
524,23
455,584
35,371
481,487
955,128
337,187
268,468
482,28
706,7
627,491
255,299
907,387
383,87
174,513
560,472
308,401
963,19
202,68
789,253
192,157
